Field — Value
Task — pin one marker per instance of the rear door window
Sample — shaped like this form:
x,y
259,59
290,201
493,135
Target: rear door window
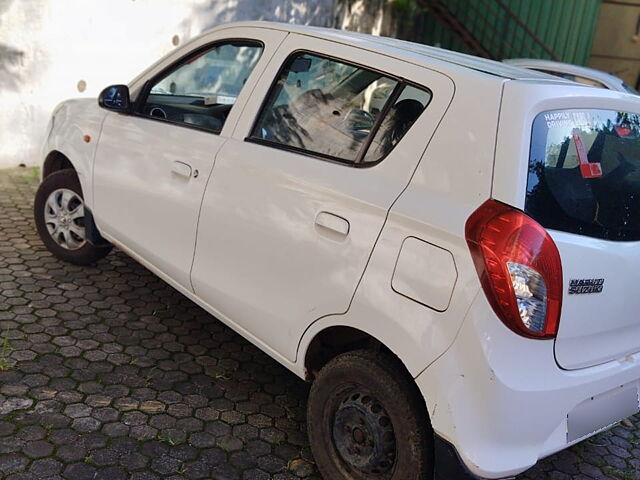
x,y
584,173
335,110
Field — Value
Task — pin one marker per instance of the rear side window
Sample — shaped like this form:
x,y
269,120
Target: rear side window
x,y
405,110
584,173
336,110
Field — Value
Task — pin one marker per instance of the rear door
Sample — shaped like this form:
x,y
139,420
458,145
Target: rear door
x,y
584,186
299,195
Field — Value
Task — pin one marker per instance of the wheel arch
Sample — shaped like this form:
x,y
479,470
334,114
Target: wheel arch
x,y
324,344
329,337
332,341
71,143
56,161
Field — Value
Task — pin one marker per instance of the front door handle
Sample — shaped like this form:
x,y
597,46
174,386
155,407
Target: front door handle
x,y
181,168
333,222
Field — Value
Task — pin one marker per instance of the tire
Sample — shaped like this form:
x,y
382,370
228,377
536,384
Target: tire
x,y
366,420
59,215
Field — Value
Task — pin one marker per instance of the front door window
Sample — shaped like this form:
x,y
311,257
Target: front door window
x,y
201,91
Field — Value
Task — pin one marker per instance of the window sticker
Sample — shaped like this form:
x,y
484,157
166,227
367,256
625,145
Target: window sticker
x,y
587,170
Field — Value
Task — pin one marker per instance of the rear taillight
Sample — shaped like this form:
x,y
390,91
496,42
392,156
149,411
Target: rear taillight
x,y
519,268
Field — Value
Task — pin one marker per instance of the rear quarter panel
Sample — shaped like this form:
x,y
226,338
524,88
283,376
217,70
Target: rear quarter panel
x,y
452,179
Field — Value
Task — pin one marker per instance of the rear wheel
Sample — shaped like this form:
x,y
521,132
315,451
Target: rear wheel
x,y
60,215
366,421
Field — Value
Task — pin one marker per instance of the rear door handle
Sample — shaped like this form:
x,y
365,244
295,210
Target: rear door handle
x,y
333,222
181,168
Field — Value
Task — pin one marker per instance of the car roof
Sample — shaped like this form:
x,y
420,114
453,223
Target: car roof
x,y
412,52
610,81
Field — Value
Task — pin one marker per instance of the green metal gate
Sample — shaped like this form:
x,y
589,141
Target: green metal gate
x,y
566,27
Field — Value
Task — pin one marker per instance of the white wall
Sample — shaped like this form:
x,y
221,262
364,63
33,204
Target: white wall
x,y
48,46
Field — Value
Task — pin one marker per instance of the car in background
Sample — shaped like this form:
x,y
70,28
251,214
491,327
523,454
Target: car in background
x,y
575,73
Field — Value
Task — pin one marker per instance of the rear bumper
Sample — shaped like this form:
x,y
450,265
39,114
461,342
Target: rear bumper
x,y
503,403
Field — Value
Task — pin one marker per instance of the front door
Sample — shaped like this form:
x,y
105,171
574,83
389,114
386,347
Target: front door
x,y
291,213
151,167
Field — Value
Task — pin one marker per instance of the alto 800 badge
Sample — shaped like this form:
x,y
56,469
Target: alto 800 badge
x,y
579,286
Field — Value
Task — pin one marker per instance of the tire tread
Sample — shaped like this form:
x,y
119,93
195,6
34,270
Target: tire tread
x,y
382,363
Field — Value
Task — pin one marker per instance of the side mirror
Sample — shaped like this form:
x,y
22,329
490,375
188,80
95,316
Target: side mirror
x,y
115,98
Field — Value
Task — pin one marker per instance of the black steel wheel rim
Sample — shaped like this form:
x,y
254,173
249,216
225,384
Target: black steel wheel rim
x,y
363,435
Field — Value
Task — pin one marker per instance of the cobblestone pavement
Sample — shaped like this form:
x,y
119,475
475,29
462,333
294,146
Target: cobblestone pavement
x,y
108,373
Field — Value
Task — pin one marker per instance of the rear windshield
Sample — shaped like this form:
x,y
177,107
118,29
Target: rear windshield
x,y
584,173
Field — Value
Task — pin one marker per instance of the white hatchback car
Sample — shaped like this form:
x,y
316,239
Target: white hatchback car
x,y
446,246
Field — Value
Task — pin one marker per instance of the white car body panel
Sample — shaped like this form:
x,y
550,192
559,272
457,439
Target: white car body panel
x,y
282,193
70,122
140,201
425,273
603,327
142,196
427,210
258,237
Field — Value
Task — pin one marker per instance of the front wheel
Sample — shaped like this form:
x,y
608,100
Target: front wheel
x,y
60,215
365,421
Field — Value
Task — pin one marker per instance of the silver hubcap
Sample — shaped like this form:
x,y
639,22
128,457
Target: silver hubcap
x,y
64,217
